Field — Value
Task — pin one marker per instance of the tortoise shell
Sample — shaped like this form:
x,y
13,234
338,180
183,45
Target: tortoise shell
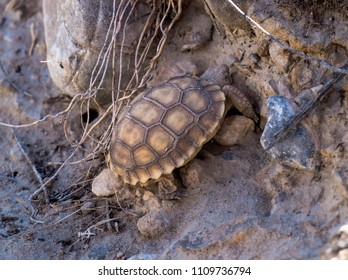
x,y
165,127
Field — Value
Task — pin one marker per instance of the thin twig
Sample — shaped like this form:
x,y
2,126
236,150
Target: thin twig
x,y
88,232
12,84
43,186
118,24
13,5
66,217
49,116
108,224
33,39
33,168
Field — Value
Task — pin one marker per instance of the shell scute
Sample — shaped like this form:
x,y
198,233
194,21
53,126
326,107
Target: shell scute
x,y
195,100
146,112
160,140
172,95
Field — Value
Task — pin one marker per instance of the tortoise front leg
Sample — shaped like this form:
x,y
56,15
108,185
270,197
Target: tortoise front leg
x,y
237,99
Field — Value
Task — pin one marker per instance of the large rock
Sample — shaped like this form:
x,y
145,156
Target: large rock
x,y
76,32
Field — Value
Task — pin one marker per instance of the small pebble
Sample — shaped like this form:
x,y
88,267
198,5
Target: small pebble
x,y
190,174
144,256
263,49
154,223
255,58
119,255
280,57
88,206
105,183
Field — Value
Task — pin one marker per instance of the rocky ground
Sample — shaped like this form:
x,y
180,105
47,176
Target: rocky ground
x,y
235,202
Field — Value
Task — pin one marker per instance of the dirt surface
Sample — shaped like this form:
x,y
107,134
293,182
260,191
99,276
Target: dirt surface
x,y
235,202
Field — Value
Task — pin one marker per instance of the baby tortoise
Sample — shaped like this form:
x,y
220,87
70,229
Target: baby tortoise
x,y
166,126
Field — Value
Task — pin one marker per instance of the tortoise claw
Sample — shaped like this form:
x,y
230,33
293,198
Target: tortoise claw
x,y
166,187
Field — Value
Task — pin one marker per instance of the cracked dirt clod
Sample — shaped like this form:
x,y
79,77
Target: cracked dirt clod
x,y
154,223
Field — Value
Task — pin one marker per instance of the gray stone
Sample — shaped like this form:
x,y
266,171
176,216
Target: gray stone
x,y
105,183
297,148
280,57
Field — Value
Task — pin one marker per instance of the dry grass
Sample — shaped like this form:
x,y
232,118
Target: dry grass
x,y
151,42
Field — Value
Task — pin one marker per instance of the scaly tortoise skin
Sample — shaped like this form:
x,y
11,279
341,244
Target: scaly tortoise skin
x,y
166,126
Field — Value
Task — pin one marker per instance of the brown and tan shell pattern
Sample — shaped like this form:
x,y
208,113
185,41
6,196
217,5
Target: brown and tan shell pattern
x,y
165,127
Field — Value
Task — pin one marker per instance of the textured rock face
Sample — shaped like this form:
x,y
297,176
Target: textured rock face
x,y
76,32
226,18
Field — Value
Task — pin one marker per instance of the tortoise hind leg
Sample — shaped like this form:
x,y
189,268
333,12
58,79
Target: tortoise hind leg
x,y
238,99
166,186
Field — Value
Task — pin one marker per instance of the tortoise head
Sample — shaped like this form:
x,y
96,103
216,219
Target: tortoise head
x,y
218,75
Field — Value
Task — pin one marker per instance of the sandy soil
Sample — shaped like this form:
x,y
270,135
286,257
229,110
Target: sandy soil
x,y
235,202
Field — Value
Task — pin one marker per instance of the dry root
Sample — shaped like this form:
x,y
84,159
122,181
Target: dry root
x,y
152,39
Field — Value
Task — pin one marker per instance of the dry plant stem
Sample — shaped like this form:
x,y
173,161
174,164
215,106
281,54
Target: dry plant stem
x,y
65,121
43,186
88,172
162,42
66,217
84,126
13,5
165,32
49,116
33,39
116,23
117,99
116,91
123,210
85,135
33,214
102,222
122,44
13,84
33,168
99,72
71,214
88,232
320,62
78,182
108,224
138,61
